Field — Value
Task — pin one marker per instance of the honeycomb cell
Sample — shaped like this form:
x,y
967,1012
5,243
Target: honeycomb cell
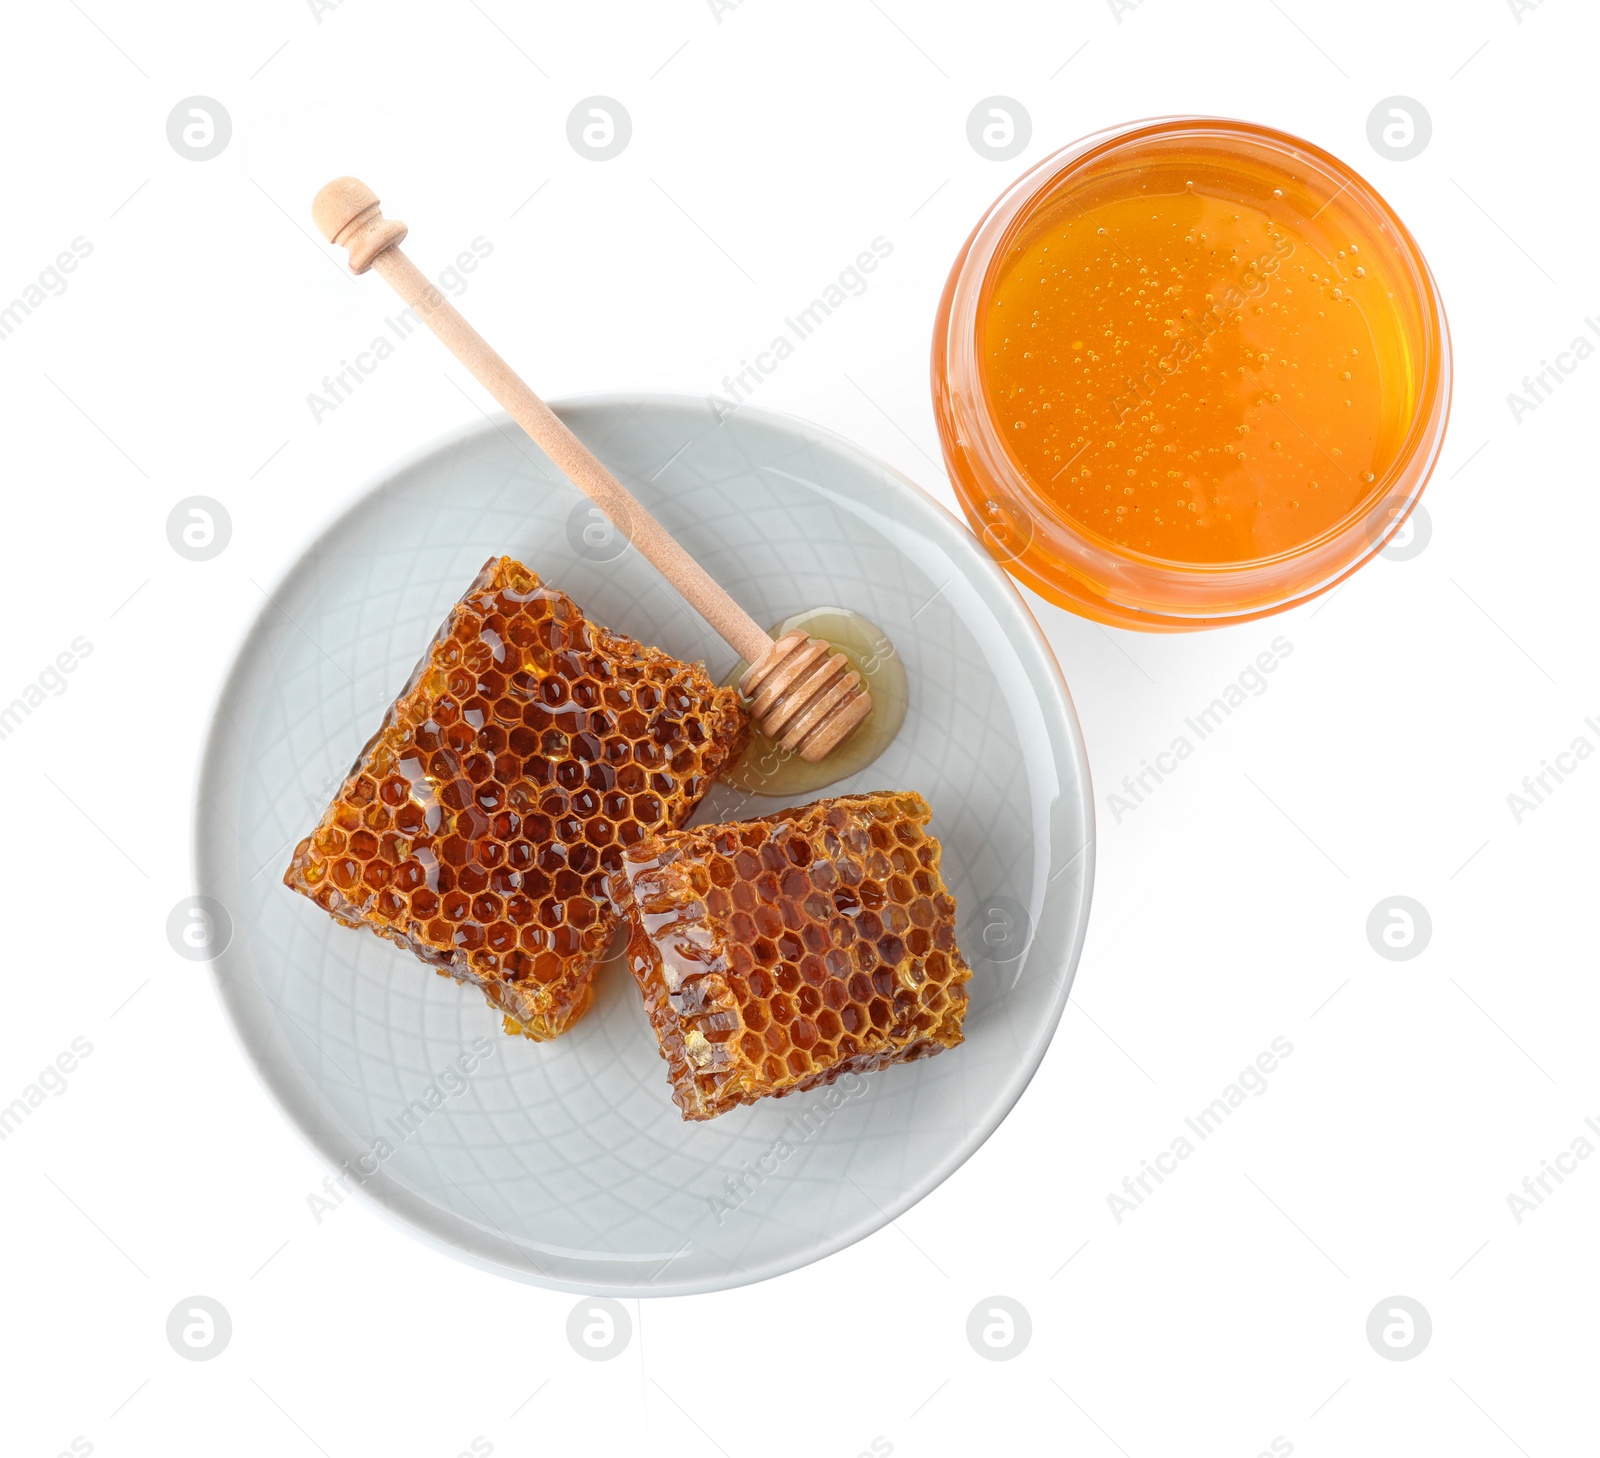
x,y
737,1018
471,831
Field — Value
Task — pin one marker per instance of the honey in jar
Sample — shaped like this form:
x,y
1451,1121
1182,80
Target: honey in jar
x,y
1200,374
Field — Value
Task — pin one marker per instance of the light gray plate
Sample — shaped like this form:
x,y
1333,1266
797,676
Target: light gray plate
x,y
566,1163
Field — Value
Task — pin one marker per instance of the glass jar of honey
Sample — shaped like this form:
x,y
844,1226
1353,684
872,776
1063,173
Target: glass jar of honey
x,y
1189,372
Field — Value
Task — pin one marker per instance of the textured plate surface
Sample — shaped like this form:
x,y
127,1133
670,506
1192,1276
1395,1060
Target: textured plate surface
x,y
565,1163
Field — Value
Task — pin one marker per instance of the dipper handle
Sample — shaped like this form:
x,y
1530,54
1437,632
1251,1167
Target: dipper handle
x,y
347,211
807,711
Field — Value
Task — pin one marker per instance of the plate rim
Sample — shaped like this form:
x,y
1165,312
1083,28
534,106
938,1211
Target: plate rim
x,y
1065,964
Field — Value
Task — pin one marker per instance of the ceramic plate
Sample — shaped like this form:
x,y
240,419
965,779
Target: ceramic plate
x,y
566,1163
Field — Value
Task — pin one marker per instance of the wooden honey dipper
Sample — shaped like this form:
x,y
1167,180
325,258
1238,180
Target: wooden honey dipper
x,y
802,694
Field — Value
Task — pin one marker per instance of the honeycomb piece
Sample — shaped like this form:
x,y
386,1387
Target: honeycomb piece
x,y
529,749
779,954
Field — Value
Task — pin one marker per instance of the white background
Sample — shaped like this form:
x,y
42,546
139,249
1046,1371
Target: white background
x,y
771,144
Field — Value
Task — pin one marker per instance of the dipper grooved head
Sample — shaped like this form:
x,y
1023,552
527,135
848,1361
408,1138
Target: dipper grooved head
x,y
805,696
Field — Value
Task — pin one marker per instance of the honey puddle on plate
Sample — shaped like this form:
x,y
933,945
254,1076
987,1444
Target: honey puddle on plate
x,y
768,770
